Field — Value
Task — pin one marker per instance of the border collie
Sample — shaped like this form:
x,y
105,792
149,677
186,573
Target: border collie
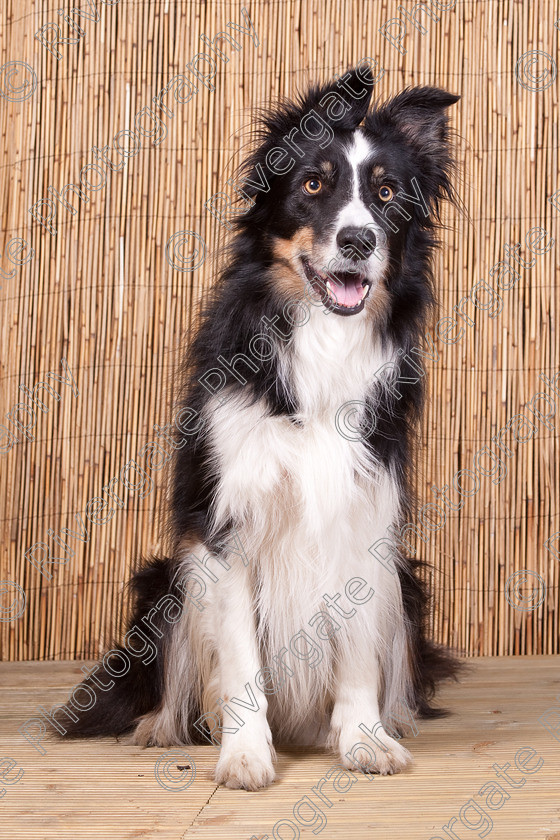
x,y
271,620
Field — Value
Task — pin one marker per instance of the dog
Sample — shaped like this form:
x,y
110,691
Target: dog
x,y
271,621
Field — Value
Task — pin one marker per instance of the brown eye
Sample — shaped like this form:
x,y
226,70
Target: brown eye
x,y
386,193
313,186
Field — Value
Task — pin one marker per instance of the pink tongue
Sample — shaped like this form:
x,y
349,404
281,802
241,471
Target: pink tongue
x,y
348,293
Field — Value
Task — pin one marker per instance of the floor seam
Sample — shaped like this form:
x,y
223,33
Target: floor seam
x,y
199,813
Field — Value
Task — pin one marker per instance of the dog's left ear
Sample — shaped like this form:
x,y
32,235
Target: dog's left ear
x,y
420,114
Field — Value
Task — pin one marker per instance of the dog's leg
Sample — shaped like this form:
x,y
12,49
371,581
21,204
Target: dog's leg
x,y
246,756
369,749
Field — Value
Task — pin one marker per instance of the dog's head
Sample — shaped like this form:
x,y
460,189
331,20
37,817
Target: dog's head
x,y
346,196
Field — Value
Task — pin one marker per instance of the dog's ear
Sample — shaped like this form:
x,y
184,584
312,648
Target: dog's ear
x,y
341,104
322,108
344,103
420,114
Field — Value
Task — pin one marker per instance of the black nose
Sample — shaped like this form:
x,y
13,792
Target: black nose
x,y
356,243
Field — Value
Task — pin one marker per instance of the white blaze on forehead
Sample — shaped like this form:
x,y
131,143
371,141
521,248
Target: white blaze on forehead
x,y
355,213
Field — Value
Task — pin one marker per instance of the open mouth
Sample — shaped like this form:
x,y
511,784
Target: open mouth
x,y
346,292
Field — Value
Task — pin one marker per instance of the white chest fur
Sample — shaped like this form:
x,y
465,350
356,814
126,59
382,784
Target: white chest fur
x,y
304,491
306,501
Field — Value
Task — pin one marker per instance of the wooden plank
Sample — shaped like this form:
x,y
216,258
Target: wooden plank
x,y
108,790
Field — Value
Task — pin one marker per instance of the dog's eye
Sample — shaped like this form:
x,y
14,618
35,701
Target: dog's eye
x,y
386,193
313,186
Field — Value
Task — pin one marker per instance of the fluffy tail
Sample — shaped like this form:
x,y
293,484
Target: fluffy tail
x,y
129,681
430,663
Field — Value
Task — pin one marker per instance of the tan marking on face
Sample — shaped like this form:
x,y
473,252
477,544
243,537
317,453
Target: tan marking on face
x,y
377,172
377,304
289,249
286,271
290,284
326,167
287,281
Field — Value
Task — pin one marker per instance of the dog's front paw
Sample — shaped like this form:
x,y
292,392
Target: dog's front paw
x,y
249,769
383,755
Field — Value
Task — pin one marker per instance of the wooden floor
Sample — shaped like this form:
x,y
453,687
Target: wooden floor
x,y
109,791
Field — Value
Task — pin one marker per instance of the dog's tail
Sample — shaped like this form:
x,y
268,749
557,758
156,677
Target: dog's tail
x,y
430,663
128,682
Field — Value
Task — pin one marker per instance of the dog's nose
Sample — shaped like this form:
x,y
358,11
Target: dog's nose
x,y
356,243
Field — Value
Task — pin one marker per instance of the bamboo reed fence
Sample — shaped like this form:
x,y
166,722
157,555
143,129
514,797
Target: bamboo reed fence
x,y
101,293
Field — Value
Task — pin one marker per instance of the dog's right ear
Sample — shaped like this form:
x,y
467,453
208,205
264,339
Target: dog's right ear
x,y
344,103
